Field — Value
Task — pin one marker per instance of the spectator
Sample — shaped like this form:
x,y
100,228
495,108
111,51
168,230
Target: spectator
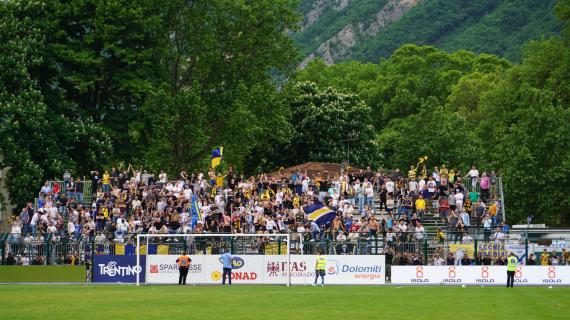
x,y
16,231
474,175
531,261
420,206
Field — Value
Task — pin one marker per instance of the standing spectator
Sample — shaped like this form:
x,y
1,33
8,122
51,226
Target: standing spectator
x,y
315,231
66,176
25,220
70,188
531,261
487,228
474,175
564,257
443,208
383,195
62,204
420,206
544,258
554,261
405,207
459,200
15,231
79,190
95,180
368,193
459,230
485,185
46,189
499,236
419,232
493,183
106,181
465,219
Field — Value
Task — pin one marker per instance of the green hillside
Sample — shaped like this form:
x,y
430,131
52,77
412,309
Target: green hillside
x,y
499,27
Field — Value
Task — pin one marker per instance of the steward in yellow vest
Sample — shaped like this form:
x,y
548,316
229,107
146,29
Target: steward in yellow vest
x,y
511,269
320,267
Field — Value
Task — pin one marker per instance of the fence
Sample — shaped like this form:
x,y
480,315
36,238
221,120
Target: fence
x,y
53,250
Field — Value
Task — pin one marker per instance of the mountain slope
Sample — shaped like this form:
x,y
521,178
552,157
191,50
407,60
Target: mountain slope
x,y
366,30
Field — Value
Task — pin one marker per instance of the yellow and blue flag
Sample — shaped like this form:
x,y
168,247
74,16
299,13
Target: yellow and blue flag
x,y
195,209
319,213
217,156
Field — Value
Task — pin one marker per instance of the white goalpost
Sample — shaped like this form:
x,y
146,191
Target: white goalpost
x,y
257,258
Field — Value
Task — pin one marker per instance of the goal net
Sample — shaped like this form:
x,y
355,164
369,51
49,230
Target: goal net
x,y
257,258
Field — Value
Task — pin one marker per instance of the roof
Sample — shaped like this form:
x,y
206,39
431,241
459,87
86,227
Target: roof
x,y
315,168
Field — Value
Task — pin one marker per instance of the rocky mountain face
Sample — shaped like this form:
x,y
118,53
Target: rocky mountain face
x,y
366,30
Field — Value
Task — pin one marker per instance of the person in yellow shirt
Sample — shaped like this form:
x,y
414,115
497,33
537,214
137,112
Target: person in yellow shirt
x,y
106,181
493,213
420,206
544,258
452,176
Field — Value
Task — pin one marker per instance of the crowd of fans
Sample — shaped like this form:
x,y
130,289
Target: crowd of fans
x,y
130,201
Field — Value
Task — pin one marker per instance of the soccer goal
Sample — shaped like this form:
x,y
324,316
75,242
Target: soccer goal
x,y
257,258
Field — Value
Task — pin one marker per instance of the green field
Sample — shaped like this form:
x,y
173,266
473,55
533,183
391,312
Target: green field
x,y
275,302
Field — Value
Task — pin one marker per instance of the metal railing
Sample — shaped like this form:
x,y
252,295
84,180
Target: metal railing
x,y
50,249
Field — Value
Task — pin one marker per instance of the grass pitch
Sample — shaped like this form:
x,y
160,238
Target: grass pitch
x,y
279,302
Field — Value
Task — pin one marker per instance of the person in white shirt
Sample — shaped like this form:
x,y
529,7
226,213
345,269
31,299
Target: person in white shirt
x,y
419,232
34,223
438,260
474,174
413,186
390,186
499,236
368,193
162,177
421,185
459,200
431,185
270,225
16,231
70,228
341,237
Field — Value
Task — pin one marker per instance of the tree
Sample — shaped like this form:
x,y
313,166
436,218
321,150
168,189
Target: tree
x,y
221,58
323,119
36,142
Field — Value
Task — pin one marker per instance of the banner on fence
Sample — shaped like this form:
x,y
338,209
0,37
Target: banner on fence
x,y
117,268
480,275
519,250
468,249
269,269
493,250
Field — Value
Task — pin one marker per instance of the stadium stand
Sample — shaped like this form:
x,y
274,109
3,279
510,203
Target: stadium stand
x,y
417,218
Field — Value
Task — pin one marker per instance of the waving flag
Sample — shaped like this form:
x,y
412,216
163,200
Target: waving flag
x,y
217,156
195,209
319,213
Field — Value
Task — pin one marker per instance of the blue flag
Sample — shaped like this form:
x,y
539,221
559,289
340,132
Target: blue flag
x,y
217,156
196,214
319,213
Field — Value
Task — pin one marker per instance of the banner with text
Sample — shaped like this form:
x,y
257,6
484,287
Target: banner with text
x,y
117,268
480,275
269,269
